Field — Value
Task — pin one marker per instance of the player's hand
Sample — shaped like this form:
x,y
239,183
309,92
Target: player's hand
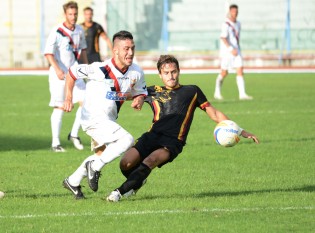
x,y
234,52
250,135
67,106
60,74
137,102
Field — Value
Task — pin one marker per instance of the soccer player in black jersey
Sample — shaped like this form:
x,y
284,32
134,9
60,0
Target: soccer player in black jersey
x,y
173,106
93,31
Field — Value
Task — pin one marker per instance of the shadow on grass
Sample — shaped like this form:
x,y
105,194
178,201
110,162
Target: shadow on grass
x,y
23,143
14,194
309,188
286,140
250,192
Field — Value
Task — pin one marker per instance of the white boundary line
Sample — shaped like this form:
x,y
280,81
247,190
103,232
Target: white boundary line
x,y
156,212
183,71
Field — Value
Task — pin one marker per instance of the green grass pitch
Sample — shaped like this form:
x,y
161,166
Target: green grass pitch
x,y
268,187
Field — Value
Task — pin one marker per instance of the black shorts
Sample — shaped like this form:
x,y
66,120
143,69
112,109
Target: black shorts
x,y
151,141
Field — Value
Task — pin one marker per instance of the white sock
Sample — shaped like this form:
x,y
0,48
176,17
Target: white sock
x,y
218,84
113,150
76,123
56,122
241,85
76,178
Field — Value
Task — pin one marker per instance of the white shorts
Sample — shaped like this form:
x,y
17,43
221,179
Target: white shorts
x,y
231,62
57,90
109,131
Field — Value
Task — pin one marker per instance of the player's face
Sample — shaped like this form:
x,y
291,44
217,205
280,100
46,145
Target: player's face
x,y
124,51
71,16
88,15
233,14
170,75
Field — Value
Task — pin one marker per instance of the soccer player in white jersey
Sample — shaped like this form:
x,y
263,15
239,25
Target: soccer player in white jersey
x,y
65,44
108,85
230,54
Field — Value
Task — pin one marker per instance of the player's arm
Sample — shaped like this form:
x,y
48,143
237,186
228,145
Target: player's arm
x,y
215,115
108,42
230,47
139,92
52,61
138,102
219,116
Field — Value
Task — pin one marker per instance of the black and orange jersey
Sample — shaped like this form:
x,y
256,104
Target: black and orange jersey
x,y
92,35
174,109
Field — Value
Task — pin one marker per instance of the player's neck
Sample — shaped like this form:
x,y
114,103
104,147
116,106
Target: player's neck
x,y
232,20
88,23
69,25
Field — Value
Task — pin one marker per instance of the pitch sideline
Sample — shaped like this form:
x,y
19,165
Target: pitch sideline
x,y
156,212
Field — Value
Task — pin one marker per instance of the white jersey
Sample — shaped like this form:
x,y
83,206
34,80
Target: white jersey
x,y
106,90
231,31
65,45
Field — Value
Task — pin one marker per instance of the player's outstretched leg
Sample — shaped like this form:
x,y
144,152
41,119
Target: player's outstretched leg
x,y
134,182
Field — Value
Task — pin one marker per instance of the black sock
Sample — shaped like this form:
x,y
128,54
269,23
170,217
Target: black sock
x,y
127,173
135,179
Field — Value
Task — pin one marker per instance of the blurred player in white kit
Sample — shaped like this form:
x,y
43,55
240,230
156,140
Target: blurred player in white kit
x,y
230,54
65,45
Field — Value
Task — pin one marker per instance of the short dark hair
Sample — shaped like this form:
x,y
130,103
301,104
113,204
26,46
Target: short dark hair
x,y
122,35
166,59
88,9
233,6
70,5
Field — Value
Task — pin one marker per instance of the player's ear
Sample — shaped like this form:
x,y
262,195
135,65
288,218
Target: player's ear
x,y
115,51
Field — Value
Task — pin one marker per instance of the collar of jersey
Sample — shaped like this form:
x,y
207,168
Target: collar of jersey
x,y
178,86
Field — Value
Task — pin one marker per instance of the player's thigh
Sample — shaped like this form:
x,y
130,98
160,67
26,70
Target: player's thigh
x,y
157,157
130,159
57,93
106,132
225,62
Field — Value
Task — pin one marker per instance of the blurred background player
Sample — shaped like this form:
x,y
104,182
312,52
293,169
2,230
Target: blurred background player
x,y
230,54
93,31
109,84
65,44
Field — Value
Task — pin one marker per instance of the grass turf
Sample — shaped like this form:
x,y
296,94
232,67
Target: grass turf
x,y
248,188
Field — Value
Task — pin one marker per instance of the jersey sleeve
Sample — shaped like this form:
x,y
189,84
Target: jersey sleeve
x,y
202,99
139,86
99,29
79,71
51,43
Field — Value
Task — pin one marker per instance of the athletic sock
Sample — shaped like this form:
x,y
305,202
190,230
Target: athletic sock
x,y
76,123
56,122
127,173
241,85
76,177
218,84
135,180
